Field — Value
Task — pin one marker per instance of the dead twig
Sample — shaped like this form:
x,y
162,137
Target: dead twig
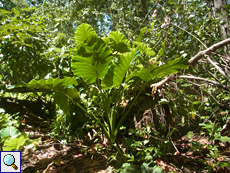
x,y
217,67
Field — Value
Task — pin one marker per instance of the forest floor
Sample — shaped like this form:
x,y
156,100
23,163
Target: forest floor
x,y
89,156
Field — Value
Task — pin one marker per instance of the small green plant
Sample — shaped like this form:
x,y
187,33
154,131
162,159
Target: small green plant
x,y
10,137
13,140
212,133
147,145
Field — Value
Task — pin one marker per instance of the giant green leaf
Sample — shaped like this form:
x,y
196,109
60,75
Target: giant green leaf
x,y
62,100
83,32
144,48
71,91
144,74
16,143
142,31
92,59
117,42
118,70
171,67
9,131
55,84
61,87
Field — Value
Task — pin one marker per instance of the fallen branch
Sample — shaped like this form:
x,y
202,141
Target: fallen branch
x,y
209,50
192,61
160,84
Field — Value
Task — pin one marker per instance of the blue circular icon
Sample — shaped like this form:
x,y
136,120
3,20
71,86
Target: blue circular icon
x,y
9,161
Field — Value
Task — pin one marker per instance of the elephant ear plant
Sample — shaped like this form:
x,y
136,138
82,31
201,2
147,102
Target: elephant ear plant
x,y
107,65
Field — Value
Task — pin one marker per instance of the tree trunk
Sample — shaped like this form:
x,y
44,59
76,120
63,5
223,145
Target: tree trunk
x,y
144,7
222,14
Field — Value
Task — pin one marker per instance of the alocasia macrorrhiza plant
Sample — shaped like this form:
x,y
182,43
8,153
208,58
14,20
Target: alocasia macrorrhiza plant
x,y
105,63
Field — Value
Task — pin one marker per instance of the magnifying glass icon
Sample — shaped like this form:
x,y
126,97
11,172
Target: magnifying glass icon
x,y
9,160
